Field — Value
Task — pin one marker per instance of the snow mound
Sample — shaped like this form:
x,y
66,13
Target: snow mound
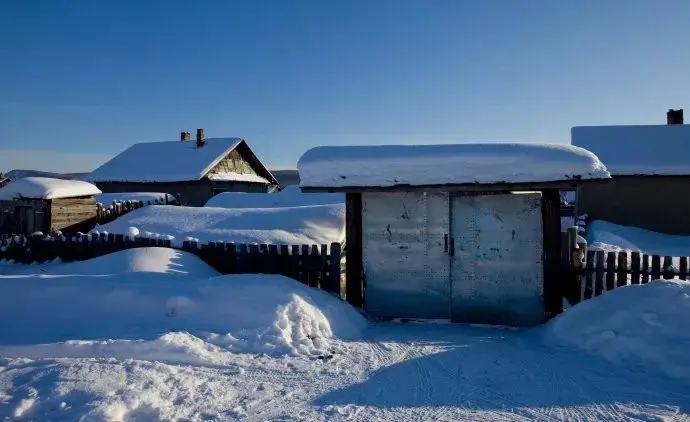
x,y
603,235
47,188
151,260
632,325
318,224
235,313
291,196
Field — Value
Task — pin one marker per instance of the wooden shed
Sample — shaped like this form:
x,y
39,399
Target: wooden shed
x,y
649,167
192,171
43,204
467,233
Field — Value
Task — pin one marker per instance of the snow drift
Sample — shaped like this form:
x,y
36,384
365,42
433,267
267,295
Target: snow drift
x,y
608,236
634,325
291,196
318,224
237,313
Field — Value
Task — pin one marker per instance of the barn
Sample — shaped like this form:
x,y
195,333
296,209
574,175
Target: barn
x,y
649,168
192,171
43,204
466,233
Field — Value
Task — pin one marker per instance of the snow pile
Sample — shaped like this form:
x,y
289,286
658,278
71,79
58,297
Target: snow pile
x,y
418,165
319,224
151,260
145,197
635,325
47,188
291,196
638,149
602,235
236,313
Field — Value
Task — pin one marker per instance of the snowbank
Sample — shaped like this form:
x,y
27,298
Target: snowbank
x,y
152,260
145,197
319,224
391,165
607,236
632,325
47,188
238,313
291,196
638,149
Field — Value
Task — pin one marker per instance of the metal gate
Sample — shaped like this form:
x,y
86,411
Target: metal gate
x,y
406,263
497,263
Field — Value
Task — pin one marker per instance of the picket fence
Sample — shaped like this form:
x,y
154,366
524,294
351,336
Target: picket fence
x,y
314,265
605,271
107,213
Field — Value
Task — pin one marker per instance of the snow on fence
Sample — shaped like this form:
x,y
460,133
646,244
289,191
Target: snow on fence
x,y
604,271
106,214
314,265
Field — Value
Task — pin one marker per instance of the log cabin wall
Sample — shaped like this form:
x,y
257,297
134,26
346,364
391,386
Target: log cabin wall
x,y
72,214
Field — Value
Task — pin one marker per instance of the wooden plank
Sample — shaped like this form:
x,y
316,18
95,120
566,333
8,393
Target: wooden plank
x,y
231,258
610,271
635,268
295,263
683,273
588,279
323,260
274,261
354,288
667,268
553,266
333,285
304,265
315,267
656,267
284,261
622,270
645,269
600,269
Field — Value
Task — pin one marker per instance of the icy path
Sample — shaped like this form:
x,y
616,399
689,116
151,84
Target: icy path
x,y
401,373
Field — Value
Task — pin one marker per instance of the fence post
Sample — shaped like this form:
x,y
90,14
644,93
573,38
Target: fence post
x,y
635,268
333,283
669,272
683,273
656,267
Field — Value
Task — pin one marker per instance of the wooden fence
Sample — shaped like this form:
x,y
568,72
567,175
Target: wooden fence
x,y
604,271
313,265
106,214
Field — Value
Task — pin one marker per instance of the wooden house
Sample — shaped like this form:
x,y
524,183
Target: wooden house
x,y
192,171
43,204
467,233
650,173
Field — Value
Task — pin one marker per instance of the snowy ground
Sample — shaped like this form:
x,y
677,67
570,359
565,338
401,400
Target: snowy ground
x,y
154,335
613,237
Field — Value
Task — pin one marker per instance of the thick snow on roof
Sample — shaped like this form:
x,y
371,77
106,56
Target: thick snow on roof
x,y
291,196
47,188
419,165
638,150
166,162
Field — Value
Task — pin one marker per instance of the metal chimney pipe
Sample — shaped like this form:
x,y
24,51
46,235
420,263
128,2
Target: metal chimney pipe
x,y
200,139
674,117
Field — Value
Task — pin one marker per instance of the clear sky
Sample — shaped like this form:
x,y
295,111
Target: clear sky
x,y
82,80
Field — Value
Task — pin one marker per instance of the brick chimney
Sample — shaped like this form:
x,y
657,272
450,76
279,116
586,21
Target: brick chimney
x,y
185,136
200,139
674,117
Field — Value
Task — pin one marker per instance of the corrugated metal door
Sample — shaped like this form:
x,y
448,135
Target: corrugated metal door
x,y
497,270
406,265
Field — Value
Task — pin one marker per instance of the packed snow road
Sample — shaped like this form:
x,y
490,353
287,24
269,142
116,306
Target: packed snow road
x,y
398,372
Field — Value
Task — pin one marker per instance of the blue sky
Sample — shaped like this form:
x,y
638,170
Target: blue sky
x,y
82,80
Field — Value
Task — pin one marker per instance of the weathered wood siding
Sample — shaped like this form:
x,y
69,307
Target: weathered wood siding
x,y
23,216
72,214
233,163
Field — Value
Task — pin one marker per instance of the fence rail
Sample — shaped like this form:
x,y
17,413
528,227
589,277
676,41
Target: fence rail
x,y
107,213
604,271
314,265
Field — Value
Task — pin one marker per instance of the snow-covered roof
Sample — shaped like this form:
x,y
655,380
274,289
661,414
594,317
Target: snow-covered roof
x,y
174,161
47,188
638,150
428,165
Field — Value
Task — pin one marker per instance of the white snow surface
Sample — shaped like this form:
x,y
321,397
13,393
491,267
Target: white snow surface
x,y
291,196
642,326
637,149
47,188
145,197
164,161
610,237
419,165
238,177
314,225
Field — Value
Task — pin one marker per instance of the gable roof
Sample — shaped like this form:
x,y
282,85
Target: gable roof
x,y
177,161
643,150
